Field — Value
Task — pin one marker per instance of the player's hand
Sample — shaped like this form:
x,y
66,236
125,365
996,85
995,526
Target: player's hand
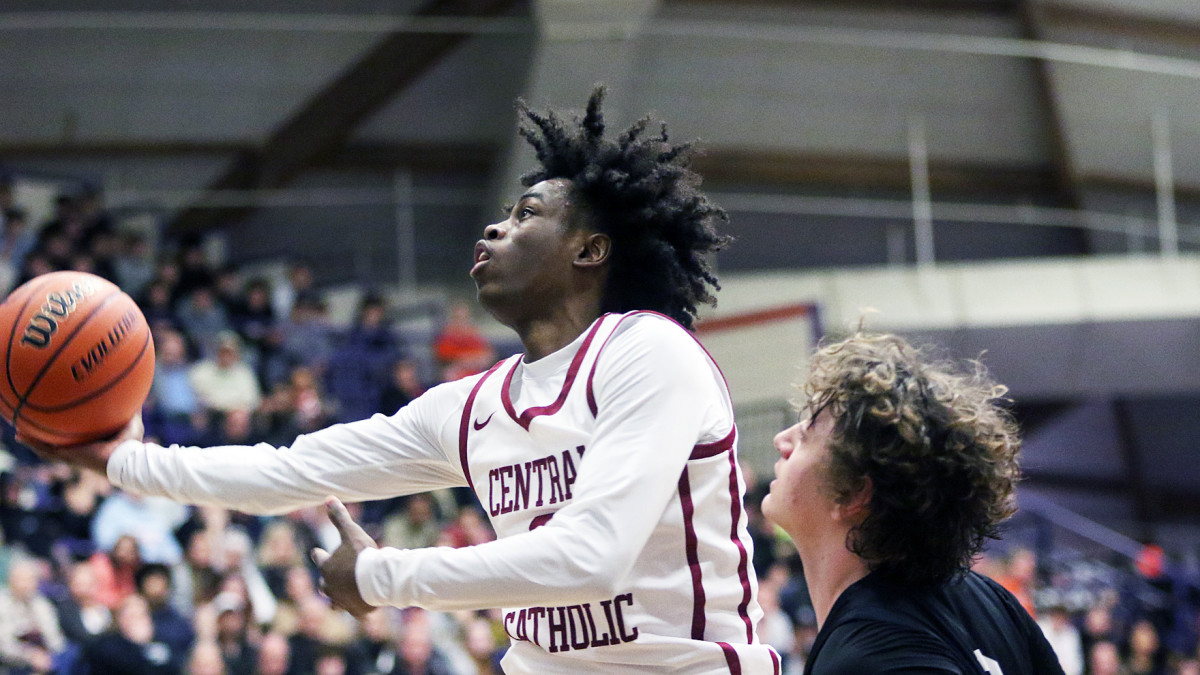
x,y
92,456
337,570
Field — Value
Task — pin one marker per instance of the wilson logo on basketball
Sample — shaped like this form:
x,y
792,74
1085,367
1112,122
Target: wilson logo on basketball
x,y
57,307
96,355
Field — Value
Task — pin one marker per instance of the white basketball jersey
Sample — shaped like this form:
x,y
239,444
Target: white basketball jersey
x,y
688,602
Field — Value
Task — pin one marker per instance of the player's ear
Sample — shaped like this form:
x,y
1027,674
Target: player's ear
x,y
594,249
856,506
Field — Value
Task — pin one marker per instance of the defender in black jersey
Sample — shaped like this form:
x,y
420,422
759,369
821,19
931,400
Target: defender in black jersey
x,y
900,472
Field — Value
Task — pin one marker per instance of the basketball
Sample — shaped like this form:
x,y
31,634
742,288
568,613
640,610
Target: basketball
x,y
78,358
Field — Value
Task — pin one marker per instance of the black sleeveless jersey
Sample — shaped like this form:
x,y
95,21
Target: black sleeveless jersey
x,y
967,626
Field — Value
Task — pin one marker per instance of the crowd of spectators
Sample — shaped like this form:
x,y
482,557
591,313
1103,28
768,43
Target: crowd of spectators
x,y
96,581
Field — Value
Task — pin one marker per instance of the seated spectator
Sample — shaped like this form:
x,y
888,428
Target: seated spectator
x,y
81,615
298,288
206,660
278,553
237,653
30,636
252,316
306,644
115,569
415,649
196,581
404,386
1063,637
150,520
226,382
460,347
1105,659
203,319
172,408
414,526
310,409
1146,654
274,655
170,627
480,643
156,306
469,528
375,648
363,359
131,649
16,241
134,264
1020,577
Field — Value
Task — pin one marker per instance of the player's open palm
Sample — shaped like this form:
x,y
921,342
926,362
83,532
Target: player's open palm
x,y
93,455
337,569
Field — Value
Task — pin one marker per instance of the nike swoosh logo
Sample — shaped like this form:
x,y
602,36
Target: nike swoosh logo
x,y
479,425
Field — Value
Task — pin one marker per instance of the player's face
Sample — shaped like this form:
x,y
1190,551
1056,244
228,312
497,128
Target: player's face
x,y
527,258
799,501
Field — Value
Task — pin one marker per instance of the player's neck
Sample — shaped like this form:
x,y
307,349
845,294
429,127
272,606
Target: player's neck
x,y
545,333
828,572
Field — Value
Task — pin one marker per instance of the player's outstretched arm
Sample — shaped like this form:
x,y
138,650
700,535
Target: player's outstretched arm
x,y
92,456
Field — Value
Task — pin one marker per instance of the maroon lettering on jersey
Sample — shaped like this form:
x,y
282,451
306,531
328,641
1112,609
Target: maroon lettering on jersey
x,y
573,627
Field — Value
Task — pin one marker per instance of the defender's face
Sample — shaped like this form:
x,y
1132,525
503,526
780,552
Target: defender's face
x,y
527,258
799,501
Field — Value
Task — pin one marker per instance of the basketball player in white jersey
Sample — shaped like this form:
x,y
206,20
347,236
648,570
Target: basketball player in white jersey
x,y
605,455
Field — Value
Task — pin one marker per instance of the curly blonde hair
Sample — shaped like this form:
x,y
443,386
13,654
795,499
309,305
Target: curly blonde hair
x,y
937,443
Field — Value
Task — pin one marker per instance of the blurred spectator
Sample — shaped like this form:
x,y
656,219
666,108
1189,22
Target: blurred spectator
x,y
131,649
196,581
278,553
404,386
156,306
1063,637
206,660
172,409
307,337
775,627
170,628
274,655
203,319
81,615
30,636
310,409
364,359
460,347
194,271
1146,656
1097,626
238,654
15,243
1105,659
308,640
150,520
330,661
37,263
103,249
296,289
480,643
115,568
414,526
134,264
226,382
469,528
252,316
375,648
416,653
1020,576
